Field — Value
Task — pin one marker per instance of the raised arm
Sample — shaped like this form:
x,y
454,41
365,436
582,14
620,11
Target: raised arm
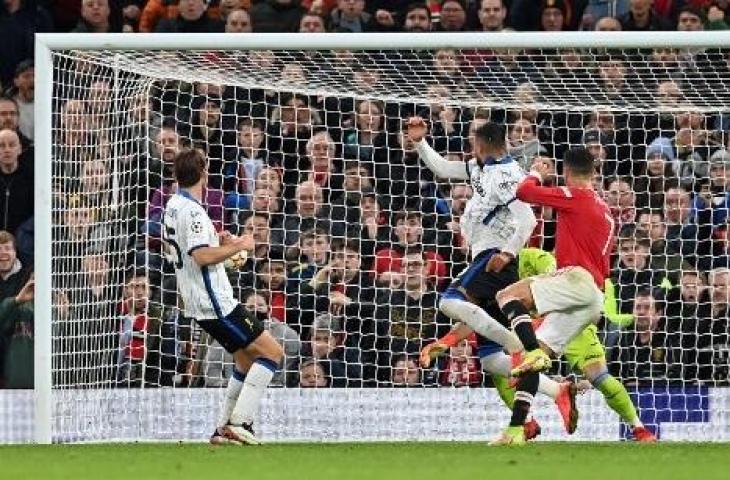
x,y
416,130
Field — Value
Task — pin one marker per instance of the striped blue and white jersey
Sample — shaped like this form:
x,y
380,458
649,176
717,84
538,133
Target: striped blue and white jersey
x,y
487,222
206,291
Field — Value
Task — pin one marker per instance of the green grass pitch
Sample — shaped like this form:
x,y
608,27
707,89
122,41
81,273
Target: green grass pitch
x,y
379,461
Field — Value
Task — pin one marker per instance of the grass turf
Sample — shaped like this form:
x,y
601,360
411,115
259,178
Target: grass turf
x,y
381,461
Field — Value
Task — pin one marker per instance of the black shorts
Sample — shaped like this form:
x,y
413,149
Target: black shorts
x,y
482,285
235,331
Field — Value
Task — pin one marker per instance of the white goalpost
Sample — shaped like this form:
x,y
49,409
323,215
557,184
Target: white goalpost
x,y
110,107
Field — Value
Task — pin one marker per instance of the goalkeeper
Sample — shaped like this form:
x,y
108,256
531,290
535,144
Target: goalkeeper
x,y
585,354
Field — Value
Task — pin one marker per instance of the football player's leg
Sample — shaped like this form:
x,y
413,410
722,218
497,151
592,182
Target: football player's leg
x,y
241,365
586,355
266,355
516,301
473,287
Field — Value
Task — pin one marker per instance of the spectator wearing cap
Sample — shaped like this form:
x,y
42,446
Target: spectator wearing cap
x,y
418,18
238,21
453,16
191,18
642,17
23,93
690,19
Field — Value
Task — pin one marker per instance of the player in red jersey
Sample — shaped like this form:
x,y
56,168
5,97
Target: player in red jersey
x,y
570,298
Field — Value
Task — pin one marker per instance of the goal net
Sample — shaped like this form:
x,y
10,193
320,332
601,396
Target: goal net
x,y
307,152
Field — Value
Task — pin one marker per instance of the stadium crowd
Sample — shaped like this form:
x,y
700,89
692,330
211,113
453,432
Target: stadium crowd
x,y
355,238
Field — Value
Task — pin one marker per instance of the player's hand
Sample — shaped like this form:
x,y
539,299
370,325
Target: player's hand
x,y
542,168
431,352
27,293
416,129
499,261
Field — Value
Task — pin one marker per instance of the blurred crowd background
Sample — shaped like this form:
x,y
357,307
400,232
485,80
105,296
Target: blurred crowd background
x,y
355,238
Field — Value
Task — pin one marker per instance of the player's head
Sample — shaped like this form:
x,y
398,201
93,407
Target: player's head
x,y
578,165
489,141
190,168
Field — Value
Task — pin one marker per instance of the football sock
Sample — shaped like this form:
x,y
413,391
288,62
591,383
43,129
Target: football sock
x,y
233,391
523,398
480,322
617,398
506,393
499,366
521,321
257,379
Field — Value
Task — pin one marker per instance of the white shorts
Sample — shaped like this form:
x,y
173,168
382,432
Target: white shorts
x,y
570,301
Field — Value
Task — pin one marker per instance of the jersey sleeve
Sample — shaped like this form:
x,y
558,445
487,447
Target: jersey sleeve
x,y
530,191
195,229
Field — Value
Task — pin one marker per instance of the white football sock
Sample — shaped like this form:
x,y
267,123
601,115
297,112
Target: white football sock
x,y
481,322
233,391
548,386
500,364
257,379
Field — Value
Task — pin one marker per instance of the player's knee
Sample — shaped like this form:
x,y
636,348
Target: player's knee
x,y
596,374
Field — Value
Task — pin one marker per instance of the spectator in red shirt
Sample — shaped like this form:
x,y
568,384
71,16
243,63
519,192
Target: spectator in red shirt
x,y
462,367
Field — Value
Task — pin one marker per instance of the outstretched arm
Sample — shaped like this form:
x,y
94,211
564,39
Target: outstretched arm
x,y
530,191
416,130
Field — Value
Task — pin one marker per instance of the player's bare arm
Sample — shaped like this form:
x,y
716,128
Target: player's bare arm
x,y
230,246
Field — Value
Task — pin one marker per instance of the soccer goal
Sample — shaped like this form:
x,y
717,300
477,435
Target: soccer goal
x,y
304,138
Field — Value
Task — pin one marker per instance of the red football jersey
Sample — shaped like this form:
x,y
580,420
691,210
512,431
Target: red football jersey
x,y
585,231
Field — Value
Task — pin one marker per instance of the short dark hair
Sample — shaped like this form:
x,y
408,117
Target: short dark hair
x,y
189,167
251,122
579,161
418,6
340,245
650,211
492,134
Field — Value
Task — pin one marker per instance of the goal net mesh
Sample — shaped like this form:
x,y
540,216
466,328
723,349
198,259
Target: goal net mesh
x,y
306,151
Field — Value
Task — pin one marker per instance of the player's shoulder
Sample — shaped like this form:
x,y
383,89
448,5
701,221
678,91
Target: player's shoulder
x,y
185,206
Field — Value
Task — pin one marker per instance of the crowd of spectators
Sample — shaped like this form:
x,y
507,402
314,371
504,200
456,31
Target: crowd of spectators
x,y
354,236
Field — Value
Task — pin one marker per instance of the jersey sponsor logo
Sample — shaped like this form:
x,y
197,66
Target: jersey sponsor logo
x,y
508,185
196,227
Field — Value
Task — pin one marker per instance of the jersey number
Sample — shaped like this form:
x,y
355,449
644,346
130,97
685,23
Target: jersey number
x,y
167,238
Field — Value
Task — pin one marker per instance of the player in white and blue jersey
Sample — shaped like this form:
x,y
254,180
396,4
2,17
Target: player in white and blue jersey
x,y
198,253
496,225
